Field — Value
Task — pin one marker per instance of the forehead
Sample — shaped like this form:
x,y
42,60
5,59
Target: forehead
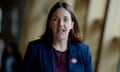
x,y
61,12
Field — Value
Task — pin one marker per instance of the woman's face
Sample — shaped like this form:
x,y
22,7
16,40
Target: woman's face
x,y
61,23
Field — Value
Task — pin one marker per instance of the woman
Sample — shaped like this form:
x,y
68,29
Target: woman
x,y
60,49
11,60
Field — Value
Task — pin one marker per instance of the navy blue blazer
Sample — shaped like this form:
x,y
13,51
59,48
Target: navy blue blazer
x,y
39,57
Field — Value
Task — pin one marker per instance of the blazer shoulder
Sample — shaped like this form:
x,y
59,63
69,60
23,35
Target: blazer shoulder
x,y
82,46
37,42
34,47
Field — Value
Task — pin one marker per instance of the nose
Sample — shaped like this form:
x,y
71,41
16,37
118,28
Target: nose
x,y
61,23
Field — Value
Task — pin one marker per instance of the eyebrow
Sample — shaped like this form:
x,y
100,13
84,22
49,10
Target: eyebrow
x,y
57,16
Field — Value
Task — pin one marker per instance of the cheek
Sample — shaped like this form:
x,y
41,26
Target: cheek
x,y
69,27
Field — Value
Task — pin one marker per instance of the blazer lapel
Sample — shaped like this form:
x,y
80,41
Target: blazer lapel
x,y
73,56
48,59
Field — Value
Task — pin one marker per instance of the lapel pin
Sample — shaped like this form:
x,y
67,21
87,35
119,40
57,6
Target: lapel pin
x,y
74,60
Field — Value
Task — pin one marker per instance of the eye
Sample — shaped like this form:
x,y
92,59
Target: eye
x,y
66,19
54,18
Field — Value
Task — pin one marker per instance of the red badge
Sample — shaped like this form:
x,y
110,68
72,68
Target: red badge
x,y
74,60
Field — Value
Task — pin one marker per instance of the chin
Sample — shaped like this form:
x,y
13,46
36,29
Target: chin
x,y
61,38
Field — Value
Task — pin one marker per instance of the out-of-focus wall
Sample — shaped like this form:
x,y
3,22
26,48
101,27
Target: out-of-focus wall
x,y
110,44
94,25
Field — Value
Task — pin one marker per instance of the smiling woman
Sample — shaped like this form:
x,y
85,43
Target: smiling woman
x,y
60,49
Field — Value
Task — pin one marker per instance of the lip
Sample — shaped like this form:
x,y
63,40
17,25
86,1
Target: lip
x,y
60,31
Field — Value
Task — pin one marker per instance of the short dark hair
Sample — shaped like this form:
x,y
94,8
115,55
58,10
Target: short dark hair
x,y
74,35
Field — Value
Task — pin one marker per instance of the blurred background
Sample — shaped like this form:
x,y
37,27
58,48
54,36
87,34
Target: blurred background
x,y
22,21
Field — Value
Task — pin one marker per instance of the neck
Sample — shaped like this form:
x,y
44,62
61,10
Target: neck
x,y
60,45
